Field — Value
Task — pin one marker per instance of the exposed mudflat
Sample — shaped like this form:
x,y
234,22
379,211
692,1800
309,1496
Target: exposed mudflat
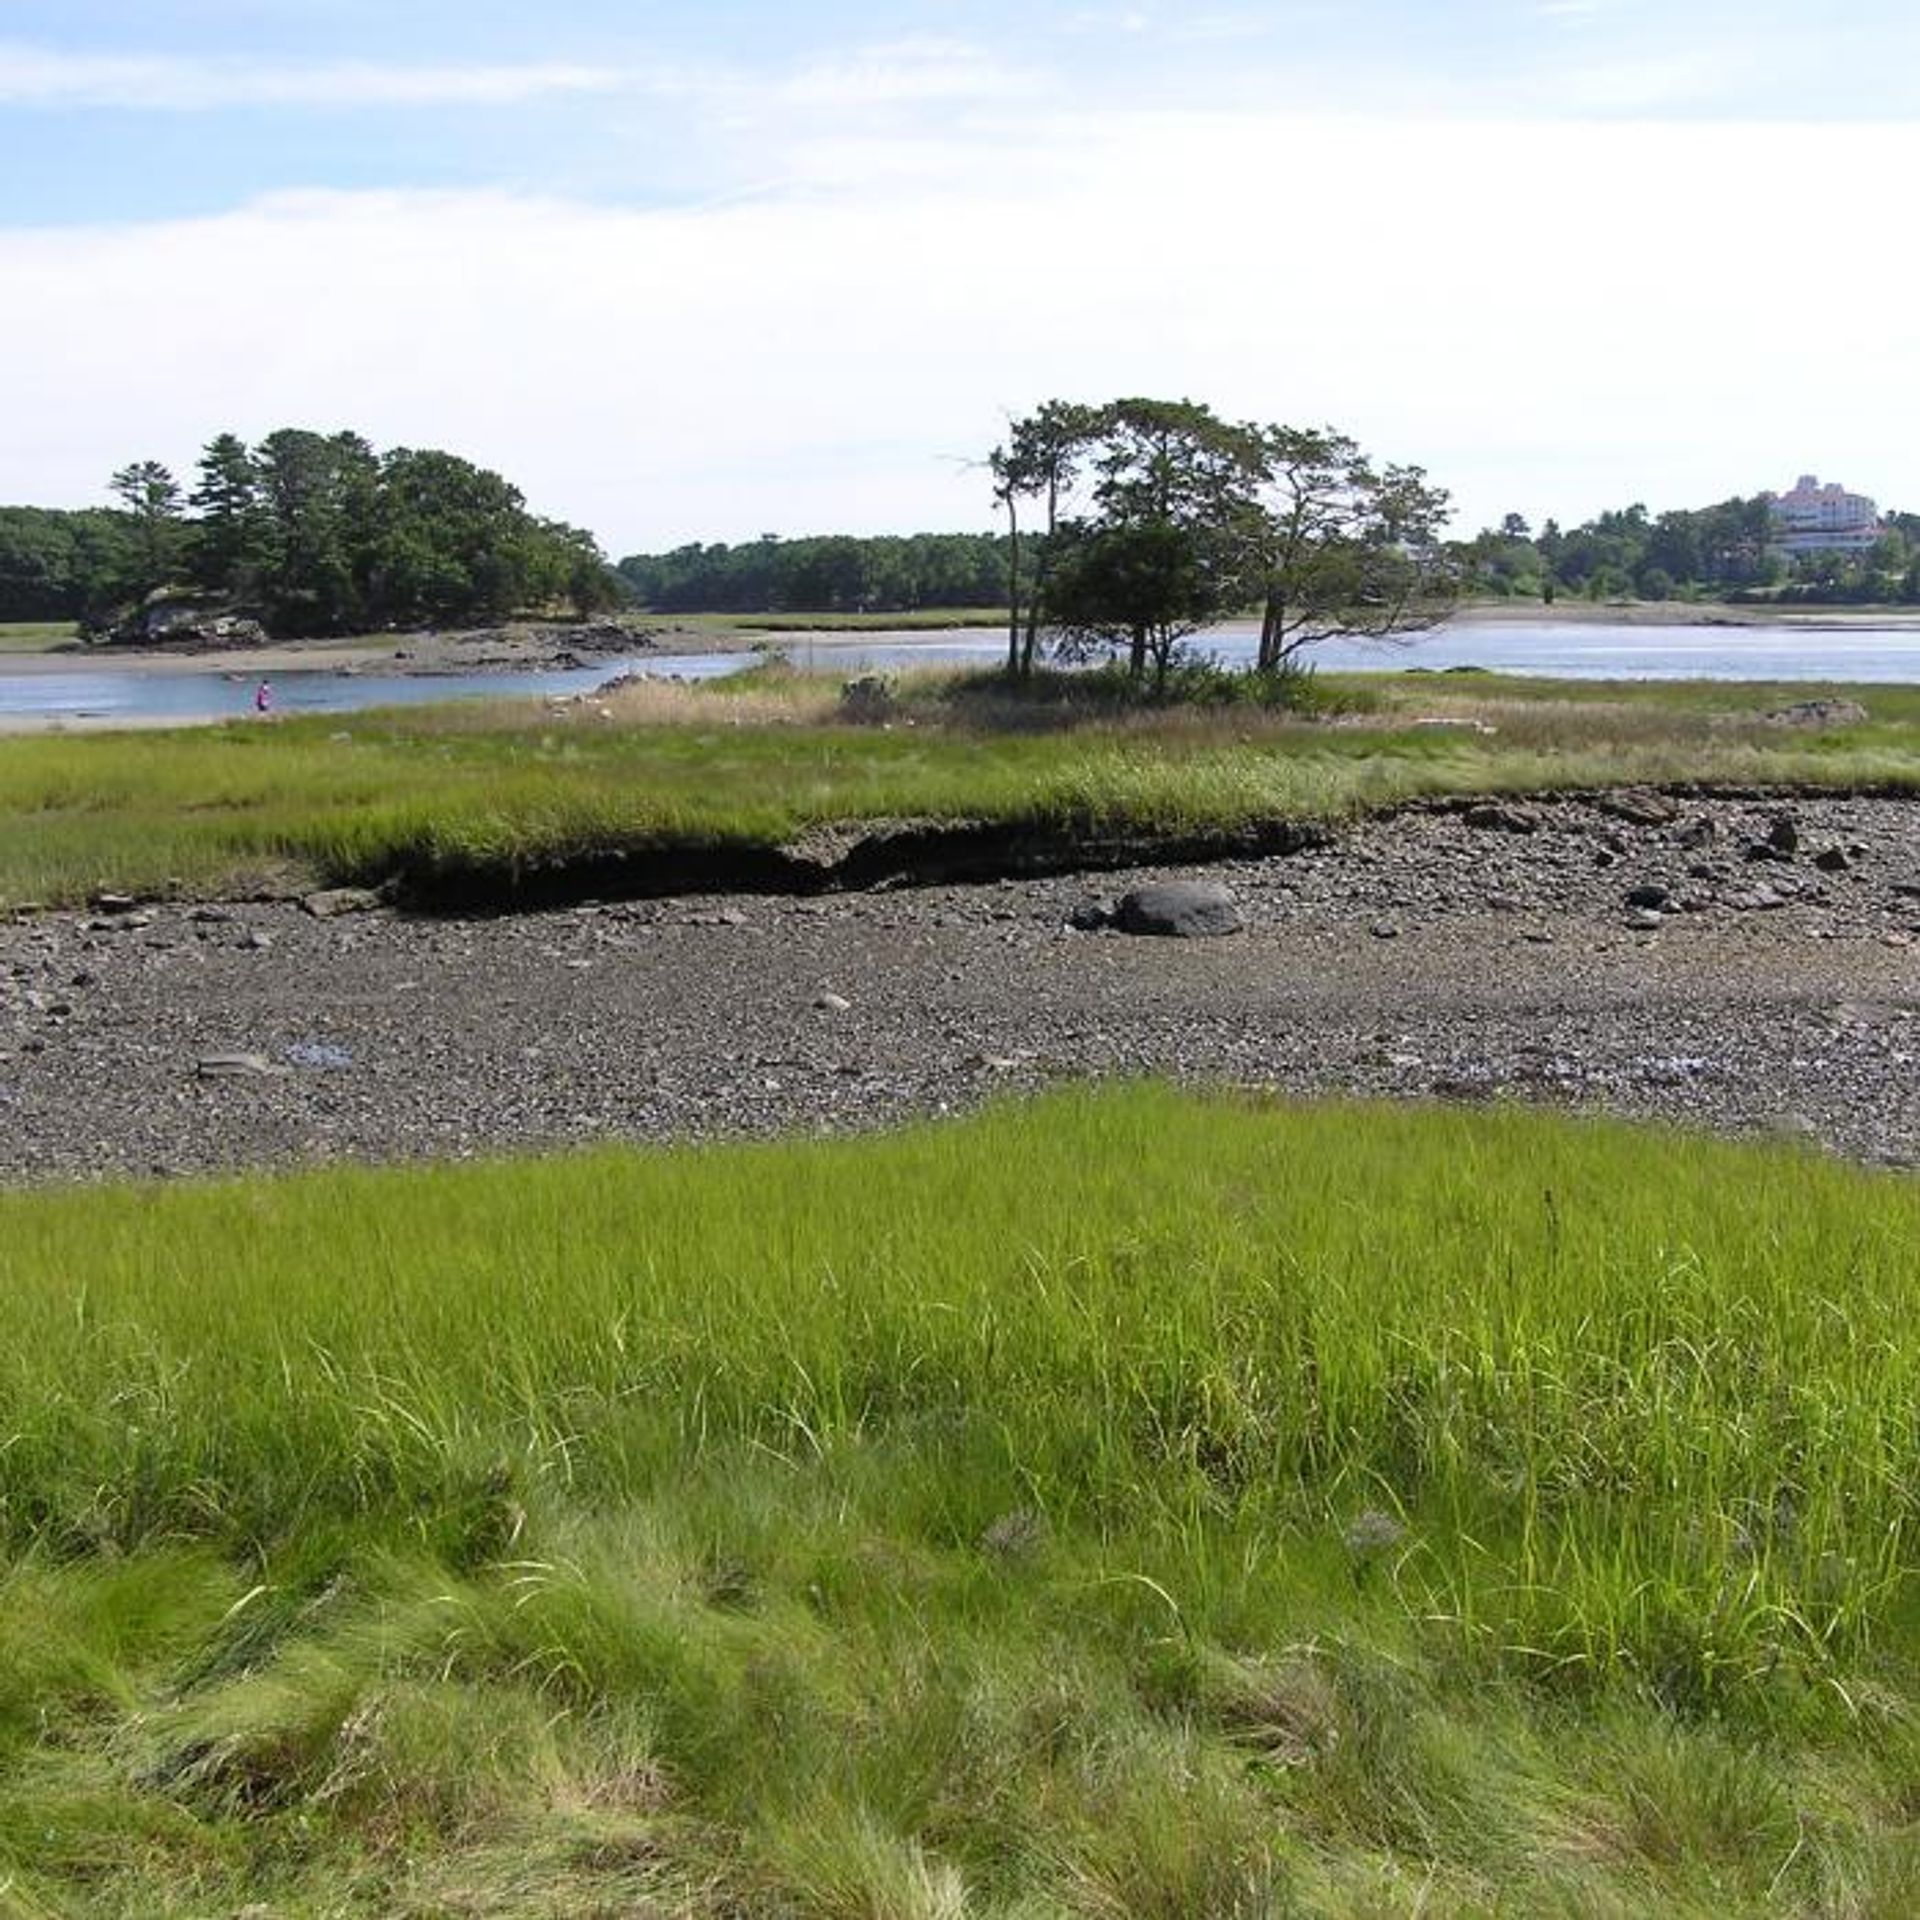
x,y
1420,956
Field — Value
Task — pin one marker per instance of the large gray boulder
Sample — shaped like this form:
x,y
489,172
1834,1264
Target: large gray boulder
x,y
1182,909
193,626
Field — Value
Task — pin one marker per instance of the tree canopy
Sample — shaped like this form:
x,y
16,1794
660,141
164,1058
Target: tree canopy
x,y
1726,551
314,533
1160,517
825,573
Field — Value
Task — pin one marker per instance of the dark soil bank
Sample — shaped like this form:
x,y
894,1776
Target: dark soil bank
x,y
1700,962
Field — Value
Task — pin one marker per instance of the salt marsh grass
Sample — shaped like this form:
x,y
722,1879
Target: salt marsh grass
x,y
491,790
1128,1503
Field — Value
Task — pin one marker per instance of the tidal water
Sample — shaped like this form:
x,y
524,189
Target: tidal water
x,y
1589,652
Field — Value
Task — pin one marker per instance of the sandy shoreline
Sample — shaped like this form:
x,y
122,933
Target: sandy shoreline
x,y
412,655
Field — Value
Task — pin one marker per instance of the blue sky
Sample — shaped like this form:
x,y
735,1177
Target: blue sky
x,y
691,271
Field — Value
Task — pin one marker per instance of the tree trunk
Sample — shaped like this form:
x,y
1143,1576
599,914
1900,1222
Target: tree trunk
x,y
1039,594
1013,589
1137,658
1272,621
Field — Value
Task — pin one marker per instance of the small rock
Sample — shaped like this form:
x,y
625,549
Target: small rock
x,y
1645,920
1832,860
255,941
1499,901
1639,809
113,902
1695,834
1180,909
1385,930
331,902
1818,713
1783,836
872,697
210,916
1090,916
321,1054
1502,816
235,1066
825,1002
1018,1535
1653,896
1371,1533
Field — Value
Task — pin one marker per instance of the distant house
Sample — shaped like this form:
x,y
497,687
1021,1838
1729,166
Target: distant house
x,y
1822,519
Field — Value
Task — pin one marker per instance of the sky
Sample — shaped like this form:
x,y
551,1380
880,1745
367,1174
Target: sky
x,y
698,272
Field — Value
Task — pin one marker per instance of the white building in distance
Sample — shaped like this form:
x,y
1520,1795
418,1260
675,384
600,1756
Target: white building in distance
x,y
1823,519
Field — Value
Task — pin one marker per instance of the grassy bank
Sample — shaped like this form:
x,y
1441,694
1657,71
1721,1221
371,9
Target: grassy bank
x,y
482,792
34,636
1129,1504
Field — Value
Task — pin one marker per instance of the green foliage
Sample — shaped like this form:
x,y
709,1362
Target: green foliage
x,y
1185,516
315,533
151,497
1723,552
823,574
64,566
1085,1510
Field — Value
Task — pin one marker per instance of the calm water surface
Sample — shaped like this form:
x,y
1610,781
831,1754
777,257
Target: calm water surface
x,y
1597,652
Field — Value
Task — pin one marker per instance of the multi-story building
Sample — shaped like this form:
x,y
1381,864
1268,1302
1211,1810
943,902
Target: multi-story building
x,y
1823,519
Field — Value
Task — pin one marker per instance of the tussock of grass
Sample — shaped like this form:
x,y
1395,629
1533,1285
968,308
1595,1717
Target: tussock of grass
x,y
1123,1504
493,789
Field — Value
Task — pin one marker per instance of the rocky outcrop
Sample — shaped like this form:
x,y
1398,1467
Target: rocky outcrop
x,y
189,626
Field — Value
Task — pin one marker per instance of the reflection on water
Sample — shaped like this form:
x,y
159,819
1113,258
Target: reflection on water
x,y
1595,652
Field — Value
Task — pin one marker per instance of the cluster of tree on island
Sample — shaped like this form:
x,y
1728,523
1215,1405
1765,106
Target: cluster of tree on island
x,y
1129,527
312,533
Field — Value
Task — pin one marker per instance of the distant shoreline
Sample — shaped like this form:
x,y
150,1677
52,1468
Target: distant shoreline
x,y
516,650
1679,613
511,652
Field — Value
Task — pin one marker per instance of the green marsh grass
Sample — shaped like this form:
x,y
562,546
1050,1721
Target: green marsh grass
x,y
1127,1503
494,788
34,636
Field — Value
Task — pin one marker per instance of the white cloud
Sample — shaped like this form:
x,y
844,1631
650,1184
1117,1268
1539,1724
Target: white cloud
x,y
907,72
1543,315
34,76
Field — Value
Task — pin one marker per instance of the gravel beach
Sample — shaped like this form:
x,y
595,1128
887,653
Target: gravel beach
x,y
1751,966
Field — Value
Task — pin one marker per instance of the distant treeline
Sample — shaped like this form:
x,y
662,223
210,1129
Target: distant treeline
x,y
311,533
58,565
826,573
1724,552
